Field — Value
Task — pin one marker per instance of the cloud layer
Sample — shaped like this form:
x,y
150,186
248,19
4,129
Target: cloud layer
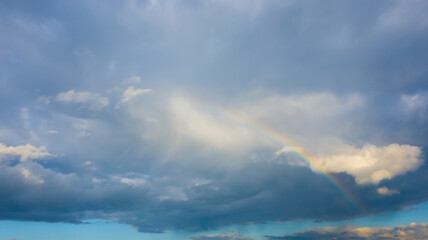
x,y
412,231
183,115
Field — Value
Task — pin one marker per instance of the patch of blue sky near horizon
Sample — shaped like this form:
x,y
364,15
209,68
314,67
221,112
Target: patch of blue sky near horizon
x,y
96,229
93,229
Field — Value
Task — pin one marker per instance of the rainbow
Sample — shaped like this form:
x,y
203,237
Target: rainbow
x,y
284,142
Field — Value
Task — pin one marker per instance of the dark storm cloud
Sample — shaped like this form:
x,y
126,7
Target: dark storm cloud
x,y
257,193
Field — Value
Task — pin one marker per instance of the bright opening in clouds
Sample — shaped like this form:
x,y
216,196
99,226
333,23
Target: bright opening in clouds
x,y
244,120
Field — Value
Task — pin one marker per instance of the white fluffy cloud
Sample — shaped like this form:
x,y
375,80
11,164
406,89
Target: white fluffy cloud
x,y
371,164
24,152
94,100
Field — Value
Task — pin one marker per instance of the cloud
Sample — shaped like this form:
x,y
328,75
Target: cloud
x,y
238,196
321,115
328,81
241,126
242,168
309,106
234,130
386,191
414,105
412,231
371,164
132,92
417,101
44,100
24,152
31,177
94,101
214,129
135,182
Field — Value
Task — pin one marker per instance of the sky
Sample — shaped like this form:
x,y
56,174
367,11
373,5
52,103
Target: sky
x,y
213,120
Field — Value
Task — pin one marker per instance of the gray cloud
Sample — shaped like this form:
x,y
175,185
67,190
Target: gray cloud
x,y
203,201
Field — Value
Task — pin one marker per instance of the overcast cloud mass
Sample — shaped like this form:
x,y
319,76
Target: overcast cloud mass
x,y
187,115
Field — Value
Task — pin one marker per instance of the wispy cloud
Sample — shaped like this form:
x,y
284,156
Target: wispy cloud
x,y
94,101
132,92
